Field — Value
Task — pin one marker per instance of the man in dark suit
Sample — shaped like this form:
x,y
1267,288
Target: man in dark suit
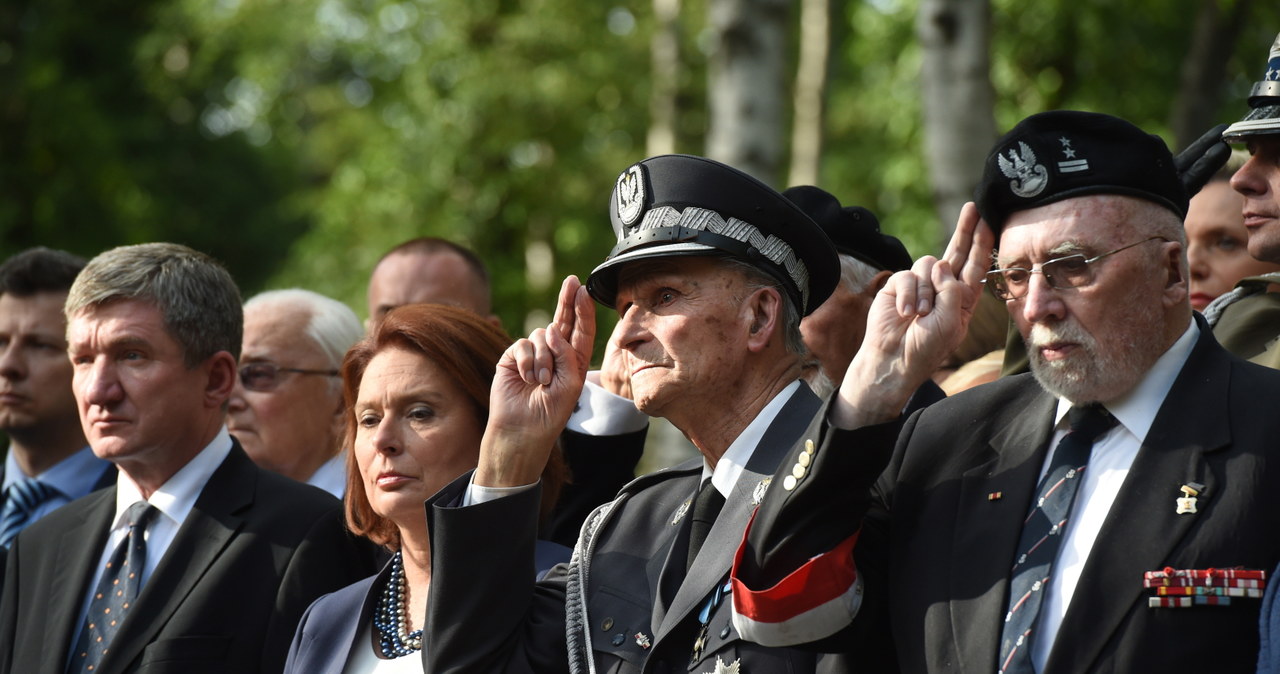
x,y
197,560
711,275
1026,524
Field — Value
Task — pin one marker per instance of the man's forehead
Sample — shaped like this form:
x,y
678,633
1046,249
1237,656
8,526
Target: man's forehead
x,y
1081,222
38,311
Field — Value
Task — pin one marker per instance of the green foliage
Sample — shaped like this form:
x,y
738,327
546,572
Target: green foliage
x,y
299,139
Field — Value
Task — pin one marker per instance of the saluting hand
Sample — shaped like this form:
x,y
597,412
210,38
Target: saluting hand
x,y
914,324
536,385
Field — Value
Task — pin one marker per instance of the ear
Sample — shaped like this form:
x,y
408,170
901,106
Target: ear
x,y
1176,289
764,307
878,281
220,380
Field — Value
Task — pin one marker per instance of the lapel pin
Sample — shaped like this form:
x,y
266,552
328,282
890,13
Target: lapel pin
x,y
642,640
1187,502
684,508
758,495
995,496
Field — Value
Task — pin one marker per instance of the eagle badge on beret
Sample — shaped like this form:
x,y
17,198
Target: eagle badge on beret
x,y
630,193
1027,178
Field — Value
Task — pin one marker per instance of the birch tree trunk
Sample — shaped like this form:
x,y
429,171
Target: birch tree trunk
x,y
811,92
957,99
746,85
665,62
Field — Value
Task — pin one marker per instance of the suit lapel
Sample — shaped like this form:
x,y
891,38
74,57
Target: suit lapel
x,y
1143,527
78,551
716,556
987,528
212,523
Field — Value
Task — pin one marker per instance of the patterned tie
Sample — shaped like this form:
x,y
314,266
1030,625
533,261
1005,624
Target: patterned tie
x,y
116,591
706,506
21,499
1042,534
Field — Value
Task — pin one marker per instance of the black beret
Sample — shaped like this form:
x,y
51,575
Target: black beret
x,y
1062,154
854,230
676,205
1264,101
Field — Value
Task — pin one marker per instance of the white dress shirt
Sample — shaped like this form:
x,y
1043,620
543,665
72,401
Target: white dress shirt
x,y
1109,463
331,476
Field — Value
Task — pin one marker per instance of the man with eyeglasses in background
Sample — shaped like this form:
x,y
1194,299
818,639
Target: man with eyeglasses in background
x,y
1111,511
286,409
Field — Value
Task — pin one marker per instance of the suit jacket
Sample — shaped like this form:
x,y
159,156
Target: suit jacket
x,y
332,624
941,525
255,550
642,610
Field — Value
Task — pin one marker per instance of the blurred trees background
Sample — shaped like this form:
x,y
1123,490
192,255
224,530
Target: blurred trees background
x,y
296,140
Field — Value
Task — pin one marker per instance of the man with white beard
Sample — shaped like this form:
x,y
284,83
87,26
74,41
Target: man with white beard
x,y
1112,511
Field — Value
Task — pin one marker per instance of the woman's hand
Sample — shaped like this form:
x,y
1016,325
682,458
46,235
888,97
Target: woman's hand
x,y
535,389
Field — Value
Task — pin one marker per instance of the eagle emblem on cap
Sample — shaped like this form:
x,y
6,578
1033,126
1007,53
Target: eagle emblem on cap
x,y
1028,178
630,195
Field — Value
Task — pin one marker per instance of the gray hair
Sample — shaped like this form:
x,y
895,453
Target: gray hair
x,y
758,279
197,298
331,325
855,274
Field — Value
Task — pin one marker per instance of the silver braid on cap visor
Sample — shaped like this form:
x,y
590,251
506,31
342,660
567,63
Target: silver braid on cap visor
x,y
698,220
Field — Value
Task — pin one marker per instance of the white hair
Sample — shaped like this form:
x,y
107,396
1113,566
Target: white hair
x,y
855,274
332,325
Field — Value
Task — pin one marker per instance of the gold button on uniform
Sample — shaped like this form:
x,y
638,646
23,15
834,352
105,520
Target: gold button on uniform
x,y
808,446
789,483
797,471
607,624
804,459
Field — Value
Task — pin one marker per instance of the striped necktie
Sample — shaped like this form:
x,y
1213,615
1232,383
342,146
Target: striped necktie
x,y
1042,534
21,499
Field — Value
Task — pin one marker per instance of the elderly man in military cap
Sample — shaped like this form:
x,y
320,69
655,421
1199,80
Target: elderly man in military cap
x,y
1247,319
868,257
710,277
1110,511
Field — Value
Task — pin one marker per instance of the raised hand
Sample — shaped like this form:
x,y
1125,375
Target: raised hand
x,y
915,322
534,391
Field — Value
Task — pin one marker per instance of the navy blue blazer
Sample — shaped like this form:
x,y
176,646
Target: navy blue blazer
x,y
328,630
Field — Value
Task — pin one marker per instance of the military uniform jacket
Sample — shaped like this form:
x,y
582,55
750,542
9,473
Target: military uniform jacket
x,y
1249,326
943,521
632,607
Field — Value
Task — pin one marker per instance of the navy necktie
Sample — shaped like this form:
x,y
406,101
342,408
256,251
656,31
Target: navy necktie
x,y
1042,534
21,499
115,594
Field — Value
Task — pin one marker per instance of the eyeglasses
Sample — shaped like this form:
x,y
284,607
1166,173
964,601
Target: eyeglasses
x,y
263,377
1071,271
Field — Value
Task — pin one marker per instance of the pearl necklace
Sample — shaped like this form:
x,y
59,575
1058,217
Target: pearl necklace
x,y
389,617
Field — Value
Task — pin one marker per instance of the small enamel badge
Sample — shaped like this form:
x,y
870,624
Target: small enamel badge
x,y
758,495
721,668
642,640
1187,502
680,512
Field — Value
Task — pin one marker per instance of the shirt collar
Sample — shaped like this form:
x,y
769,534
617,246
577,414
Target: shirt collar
x,y
72,477
176,497
1137,410
731,465
331,476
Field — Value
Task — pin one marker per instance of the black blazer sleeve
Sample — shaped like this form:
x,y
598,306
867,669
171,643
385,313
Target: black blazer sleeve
x,y
486,614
